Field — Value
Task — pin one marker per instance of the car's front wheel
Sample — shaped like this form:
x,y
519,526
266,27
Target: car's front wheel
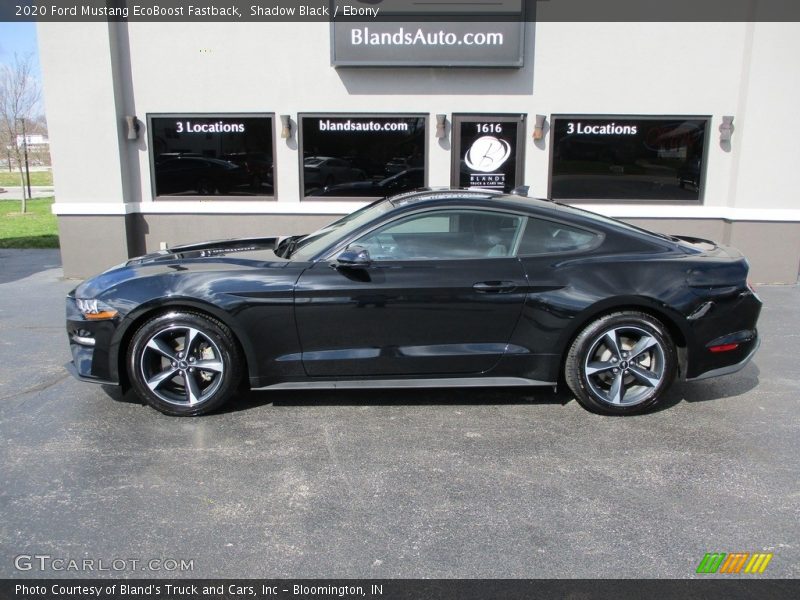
x,y
621,364
184,363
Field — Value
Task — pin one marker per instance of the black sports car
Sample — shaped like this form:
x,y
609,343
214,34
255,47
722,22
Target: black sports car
x,y
428,288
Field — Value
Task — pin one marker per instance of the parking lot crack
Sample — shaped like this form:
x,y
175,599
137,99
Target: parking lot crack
x,y
37,388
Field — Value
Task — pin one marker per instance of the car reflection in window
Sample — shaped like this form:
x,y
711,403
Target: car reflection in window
x,y
195,175
324,171
407,180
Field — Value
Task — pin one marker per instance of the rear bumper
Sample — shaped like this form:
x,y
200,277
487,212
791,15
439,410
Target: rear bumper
x,y
727,370
723,338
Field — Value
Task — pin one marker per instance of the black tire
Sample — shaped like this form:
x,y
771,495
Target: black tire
x,y
157,350
609,380
205,187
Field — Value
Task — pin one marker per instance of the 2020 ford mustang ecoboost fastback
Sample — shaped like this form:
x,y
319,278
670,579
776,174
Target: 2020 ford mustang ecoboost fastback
x,y
428,288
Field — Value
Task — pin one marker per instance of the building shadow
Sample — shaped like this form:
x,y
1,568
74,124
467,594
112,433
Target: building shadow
x,y
16,264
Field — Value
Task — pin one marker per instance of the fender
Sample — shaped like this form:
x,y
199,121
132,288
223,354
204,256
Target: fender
x,y
128,325
673,320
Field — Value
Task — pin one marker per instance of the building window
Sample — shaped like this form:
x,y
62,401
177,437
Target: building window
x,y
212,155
628,158
363,156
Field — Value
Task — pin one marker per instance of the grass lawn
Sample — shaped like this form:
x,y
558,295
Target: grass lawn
x,y
37,228
37,178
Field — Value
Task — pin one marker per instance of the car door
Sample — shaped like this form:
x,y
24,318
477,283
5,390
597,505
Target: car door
x,y
441,294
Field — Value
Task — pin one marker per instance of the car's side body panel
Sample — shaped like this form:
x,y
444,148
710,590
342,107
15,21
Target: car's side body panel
x,y
408,317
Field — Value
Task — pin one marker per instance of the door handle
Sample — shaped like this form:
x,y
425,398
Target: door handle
x,y
495,287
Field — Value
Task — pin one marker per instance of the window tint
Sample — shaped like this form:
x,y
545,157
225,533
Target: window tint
x,y
628,158
313,244
544,237
445,235
212,155
358,155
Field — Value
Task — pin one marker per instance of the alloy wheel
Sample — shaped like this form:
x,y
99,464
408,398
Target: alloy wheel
x,y
624,366
182,365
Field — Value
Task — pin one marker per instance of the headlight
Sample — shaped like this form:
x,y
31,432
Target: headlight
x,y
94,310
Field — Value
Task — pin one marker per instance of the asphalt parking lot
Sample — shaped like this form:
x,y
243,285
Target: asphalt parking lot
x,y
481,483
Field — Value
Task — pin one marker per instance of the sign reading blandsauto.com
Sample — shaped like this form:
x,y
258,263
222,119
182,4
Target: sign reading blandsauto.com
x,y
418,44
422,42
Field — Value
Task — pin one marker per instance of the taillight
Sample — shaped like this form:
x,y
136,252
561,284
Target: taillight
x,y
723,348
753,291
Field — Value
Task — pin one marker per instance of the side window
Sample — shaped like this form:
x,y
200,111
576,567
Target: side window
x,y
544,237
447,235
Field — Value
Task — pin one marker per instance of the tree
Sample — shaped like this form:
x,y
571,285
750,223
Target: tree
x,y
19,96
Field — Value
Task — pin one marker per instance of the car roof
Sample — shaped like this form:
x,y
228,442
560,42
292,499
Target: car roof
x,y
533,206
444,194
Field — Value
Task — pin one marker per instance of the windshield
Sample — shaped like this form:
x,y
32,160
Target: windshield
x,y
313,244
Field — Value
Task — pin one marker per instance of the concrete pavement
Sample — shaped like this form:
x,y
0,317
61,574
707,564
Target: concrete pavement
x,y
15,193
467,483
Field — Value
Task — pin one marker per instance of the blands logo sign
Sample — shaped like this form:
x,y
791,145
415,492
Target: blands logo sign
x,y
487,154
734,563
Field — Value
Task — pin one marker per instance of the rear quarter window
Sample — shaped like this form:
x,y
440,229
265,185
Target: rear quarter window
x,y
549,237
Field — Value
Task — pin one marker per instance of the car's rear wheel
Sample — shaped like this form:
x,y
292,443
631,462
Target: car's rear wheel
x,y
184,363
205,187
621,364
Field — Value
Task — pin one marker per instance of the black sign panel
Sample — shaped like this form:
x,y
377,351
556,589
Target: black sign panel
x,y
362,155
212,155
628,158
490,151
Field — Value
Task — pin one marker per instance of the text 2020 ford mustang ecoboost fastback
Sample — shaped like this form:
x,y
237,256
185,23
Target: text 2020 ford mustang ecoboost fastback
x,y
428,288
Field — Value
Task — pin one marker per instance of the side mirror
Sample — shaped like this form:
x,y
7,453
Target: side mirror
x,y
354,257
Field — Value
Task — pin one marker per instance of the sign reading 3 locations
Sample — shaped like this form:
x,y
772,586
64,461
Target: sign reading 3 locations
x,y
628,158
418,34
489,150
212,154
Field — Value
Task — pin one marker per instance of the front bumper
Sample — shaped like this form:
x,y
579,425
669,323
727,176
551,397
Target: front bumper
x,y
73,370
90,344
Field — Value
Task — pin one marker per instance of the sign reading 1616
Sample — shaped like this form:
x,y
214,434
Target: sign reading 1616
x,y
489,127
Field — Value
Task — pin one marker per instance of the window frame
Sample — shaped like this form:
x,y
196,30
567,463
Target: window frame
x,y
333,251
703,162
521,120
599,238
409,216
210,115
352,115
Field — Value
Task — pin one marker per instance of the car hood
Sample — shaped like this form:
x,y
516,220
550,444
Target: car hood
x,y
220,255
216,248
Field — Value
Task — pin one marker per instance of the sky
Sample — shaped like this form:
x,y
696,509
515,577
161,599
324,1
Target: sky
x,y
19,38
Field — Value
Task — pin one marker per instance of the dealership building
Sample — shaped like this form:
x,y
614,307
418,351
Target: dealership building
x,y
166,133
